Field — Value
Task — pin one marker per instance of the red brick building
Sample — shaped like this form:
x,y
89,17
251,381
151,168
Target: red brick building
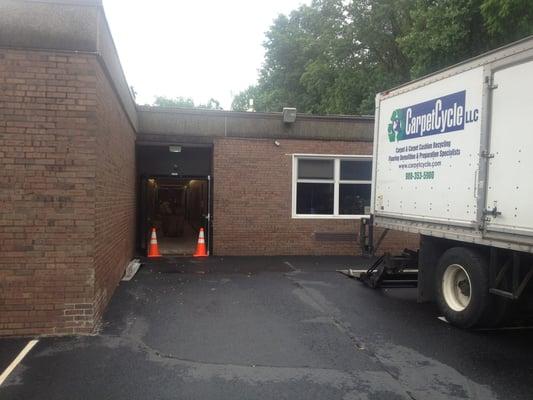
x,y
85,173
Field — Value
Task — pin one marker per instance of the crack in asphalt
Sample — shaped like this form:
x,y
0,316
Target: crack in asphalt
x,y
141,344
353,385
313,298
399,370
344,328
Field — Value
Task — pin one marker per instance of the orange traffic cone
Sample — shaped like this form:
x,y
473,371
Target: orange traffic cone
x,y
153,249
200,248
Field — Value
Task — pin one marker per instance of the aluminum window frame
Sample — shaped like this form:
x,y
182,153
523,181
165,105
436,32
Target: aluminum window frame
x,y
336,181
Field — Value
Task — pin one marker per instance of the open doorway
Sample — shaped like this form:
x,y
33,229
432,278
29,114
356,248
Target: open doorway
x,y
177,208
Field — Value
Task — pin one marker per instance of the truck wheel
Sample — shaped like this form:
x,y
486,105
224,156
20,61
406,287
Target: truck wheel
x,y
463,287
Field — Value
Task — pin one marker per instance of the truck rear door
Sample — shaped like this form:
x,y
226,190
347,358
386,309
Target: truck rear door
x,y
510,167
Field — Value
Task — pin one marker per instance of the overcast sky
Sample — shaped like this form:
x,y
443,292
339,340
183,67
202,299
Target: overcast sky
x,y
198,49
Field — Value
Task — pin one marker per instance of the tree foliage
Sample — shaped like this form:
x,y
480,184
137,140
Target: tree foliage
x,y
185,102
333,56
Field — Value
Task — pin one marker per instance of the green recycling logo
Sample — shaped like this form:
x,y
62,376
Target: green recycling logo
x,y
396,127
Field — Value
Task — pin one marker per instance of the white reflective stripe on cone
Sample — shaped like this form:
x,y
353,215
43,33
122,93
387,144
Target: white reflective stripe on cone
x,y
201,241
201,234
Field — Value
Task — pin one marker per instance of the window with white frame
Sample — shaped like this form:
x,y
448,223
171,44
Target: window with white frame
x,y
331,187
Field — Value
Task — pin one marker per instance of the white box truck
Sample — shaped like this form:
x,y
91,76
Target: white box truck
x,y
453,162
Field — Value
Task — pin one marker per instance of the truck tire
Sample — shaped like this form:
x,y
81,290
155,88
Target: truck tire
x,y
463,289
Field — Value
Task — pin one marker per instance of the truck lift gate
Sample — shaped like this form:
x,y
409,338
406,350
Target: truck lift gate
x,y
387,271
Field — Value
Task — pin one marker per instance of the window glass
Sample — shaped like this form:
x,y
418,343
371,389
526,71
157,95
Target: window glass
x,y
314,198
356,170
353,198
315,169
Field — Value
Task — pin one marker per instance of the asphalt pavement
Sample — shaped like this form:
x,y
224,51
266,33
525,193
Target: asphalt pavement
x,y
270,328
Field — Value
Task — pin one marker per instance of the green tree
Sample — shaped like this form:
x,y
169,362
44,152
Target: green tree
x,y
212,104
181,102
241,102
377,62
443,33
300,52
333,56
185,102
447,32
507,20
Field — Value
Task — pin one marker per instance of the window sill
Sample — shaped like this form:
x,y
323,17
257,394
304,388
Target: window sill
x,y
319,216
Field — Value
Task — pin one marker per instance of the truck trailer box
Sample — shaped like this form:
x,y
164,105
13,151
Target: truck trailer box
x,y
452,155
453,163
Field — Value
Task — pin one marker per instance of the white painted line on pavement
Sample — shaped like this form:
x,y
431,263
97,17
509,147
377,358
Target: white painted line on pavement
x,y
17,360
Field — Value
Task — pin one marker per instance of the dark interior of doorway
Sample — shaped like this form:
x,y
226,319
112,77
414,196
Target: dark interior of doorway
x,y
177,208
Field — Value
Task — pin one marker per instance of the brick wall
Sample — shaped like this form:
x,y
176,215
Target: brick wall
x,y
115,192
49,184
67,194
253,200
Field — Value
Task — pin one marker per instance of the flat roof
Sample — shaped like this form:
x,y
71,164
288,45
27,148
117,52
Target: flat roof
x,y
81,26
190,123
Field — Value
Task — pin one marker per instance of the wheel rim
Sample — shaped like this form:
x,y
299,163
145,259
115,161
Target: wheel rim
x,y
456,287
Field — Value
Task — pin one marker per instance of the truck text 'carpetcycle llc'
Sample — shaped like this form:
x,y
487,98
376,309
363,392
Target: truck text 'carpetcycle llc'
x,y
432,117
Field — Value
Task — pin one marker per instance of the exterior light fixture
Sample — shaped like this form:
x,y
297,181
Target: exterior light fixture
x,y
175,170
174,149
289,115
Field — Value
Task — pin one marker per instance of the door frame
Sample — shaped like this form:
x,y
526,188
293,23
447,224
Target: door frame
x,y
142,238
485,217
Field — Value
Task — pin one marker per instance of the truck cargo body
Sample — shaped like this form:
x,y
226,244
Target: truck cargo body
x,y
452,162
452,154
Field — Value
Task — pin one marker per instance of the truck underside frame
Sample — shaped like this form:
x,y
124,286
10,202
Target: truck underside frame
x,y
510,271
513,266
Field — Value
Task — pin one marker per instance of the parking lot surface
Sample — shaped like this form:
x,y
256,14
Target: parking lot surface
x,y
270,328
